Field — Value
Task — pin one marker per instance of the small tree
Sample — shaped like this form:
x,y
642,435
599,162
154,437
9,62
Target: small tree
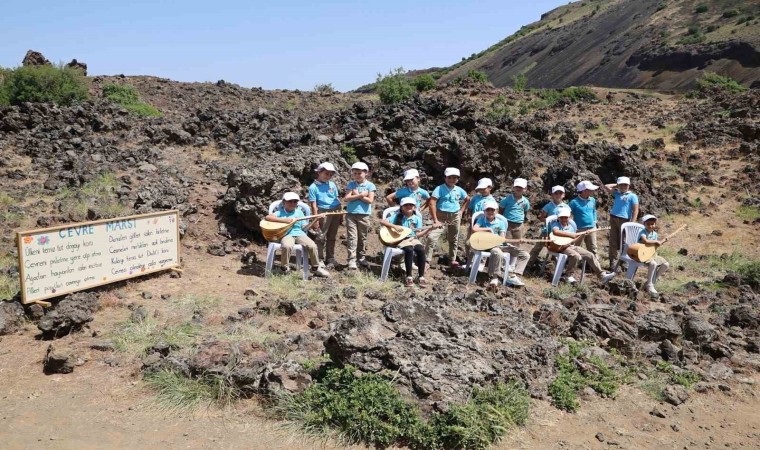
x,y
394,87
424,82
519,82
477,75
55,84
324,89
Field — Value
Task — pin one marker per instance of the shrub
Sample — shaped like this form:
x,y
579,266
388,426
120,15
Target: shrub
x,y
127,97
394,87
424,82
572,94
730,13
55,84
693,30
701,8
519,82
478,76
499,109
661,6
348,153
712,81
176,391
750,273
324,89
711,28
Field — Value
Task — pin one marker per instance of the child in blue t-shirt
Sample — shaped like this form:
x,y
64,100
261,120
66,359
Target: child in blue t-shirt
x,y
549,209
447,203
625,208
412,189
360,194
583,208
481,197
657,265
564,227
413,250
489,221
324,197
514,207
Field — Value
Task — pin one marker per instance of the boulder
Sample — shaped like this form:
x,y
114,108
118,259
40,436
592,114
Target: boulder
x,y
657,326
744,316
70,314
33,58
58,362
80,66
11,317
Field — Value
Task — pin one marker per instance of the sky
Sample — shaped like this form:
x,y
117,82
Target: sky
x,y
277,44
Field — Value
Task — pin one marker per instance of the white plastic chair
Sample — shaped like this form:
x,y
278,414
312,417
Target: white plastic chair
x,y
390,252
630,231
302,259
478,256
561,258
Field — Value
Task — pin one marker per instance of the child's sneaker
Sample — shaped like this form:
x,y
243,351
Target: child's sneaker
x,y
514,280
409,281
494,282
423,281
571,280
607,276
321,272
352,265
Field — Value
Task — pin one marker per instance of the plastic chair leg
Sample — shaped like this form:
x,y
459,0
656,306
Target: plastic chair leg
x,y
474,266
271,250
304,258
507,268
633,266
387,258
583,272
561,260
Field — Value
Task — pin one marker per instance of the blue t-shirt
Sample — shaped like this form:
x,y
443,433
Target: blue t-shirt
x,y
420,195
325,194
653,236
477,202
551,209
515,210
497,226
297,229
414,222
584,212
449,199
359,206
623,205
571,228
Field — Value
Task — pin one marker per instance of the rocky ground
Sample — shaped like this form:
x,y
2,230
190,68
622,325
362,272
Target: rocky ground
x,y
221,153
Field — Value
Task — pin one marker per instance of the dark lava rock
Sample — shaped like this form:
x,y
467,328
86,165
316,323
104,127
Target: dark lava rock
x,y
139,314
675,394
70,314
33,58
622,287
57,362
657,326
669,351
216,249
74,64
600,322
288,376
744,316
350,292
11,317
698,331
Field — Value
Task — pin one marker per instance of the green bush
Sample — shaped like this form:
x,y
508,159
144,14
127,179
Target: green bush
x,y
701,8
500,109
661,6
127,97
573,94
750,273
349,154
324,89
712,80
424,82
730,13
55,84
478,76
519,82
394,87
368,409
693,30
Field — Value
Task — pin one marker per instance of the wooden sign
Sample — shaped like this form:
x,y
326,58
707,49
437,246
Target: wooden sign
x,y
73,257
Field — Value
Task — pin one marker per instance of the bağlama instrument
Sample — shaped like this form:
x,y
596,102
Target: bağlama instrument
x,y
391,238
485,240
556,243
274,231
642,253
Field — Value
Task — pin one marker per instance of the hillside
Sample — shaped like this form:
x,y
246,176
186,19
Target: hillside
x,y
654,44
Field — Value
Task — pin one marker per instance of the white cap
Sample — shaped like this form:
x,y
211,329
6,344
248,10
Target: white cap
x,y
326,166
558,189
648,217
411,174
563,212
451,171
521,182
490,204
585,184
623,180
290,196
360,166
484,183
408,201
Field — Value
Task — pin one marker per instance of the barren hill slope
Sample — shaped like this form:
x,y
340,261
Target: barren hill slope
x,y
653,44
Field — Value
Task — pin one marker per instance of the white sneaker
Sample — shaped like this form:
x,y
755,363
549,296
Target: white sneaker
x,y
321,272
352,265
571,280
322,264
514,280
607,276
651,289
494,282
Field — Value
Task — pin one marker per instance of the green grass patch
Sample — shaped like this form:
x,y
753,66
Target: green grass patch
x,y
663,374
176,391
748,212
576,372
750,273
127,97
9,286
135,337
712,80
564,291
245,332
98,194
368,409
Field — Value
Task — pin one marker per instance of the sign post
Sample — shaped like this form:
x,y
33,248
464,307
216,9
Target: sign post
x,y
64,259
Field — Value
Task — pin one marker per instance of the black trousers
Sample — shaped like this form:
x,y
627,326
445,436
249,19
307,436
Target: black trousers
x,y
414,254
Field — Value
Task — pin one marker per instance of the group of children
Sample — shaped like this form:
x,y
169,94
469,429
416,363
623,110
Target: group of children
x,y
447,205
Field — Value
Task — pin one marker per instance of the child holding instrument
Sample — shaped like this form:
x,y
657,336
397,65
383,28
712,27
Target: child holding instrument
x,y
481,197
514,207
360,194
446,204
564,227
583,208
489,222
550,209
411,189
289,213
657,265
625,208
412,247
323,198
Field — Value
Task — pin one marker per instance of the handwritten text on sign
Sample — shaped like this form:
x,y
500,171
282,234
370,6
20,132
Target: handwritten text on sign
x,y
60,260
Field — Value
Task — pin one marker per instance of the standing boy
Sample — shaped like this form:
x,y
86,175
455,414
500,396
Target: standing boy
x,y
625,208
657,265
323,198
488,221
360,194
549,209
411,189
447,203
583,208
289,213
514,207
